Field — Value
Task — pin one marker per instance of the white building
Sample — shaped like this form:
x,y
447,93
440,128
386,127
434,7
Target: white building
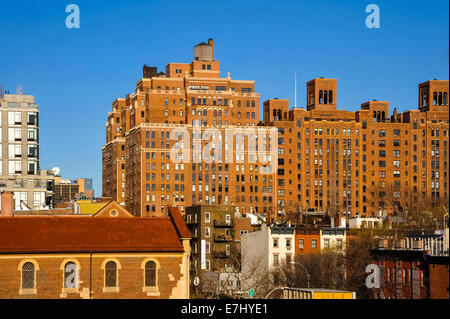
x,y
265,249
19,153
333,238
366,222
436,244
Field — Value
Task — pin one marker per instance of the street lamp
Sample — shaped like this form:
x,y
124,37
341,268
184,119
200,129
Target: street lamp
x,y
306,271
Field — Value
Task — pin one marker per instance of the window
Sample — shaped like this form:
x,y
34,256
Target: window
x,y
275,260
288,244
70,275
301,244
275,243
150,274
28,274
313,243
110,274
207,217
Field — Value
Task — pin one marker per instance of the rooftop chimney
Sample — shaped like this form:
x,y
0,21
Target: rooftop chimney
x,y
211,43
150,71
7,204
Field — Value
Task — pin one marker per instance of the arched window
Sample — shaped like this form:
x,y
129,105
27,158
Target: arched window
x,y
374,115
445,99
440,98
383,116
434,98
325,97
150,274
330,97
320,97
110,274
28,275
70,275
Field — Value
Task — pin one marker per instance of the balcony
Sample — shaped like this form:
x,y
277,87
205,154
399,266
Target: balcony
x,y
222,238
218,223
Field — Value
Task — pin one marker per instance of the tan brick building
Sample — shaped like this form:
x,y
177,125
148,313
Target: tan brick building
x,y
360,162
110,255
365,162
137,169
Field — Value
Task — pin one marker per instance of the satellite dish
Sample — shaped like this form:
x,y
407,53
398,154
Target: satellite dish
x,y
55,170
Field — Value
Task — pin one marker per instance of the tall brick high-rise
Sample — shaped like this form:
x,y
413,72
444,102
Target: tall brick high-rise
x,y
362,162
137,169
366,162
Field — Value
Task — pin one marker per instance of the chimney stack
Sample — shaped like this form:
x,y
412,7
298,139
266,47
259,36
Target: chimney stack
x,y
211,43
7,204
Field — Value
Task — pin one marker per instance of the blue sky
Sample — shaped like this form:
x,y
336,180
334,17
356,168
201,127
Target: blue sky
x,y
75,74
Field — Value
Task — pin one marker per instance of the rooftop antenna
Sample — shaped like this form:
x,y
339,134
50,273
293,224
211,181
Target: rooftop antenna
x,y
295,89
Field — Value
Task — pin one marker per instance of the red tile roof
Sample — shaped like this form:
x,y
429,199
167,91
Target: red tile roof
x,y
72,234
179,222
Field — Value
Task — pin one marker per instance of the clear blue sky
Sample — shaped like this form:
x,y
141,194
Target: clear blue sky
x,y
75,74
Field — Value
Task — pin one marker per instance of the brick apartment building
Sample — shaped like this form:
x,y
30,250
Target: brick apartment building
x,y
109,255
360,162
411,274
216,233
357,163
137,168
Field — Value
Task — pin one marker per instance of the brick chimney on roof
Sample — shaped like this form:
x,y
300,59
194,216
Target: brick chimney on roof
x,y
7,204
211,43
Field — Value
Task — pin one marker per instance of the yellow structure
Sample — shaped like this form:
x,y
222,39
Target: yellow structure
x,y
88,207
304,293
